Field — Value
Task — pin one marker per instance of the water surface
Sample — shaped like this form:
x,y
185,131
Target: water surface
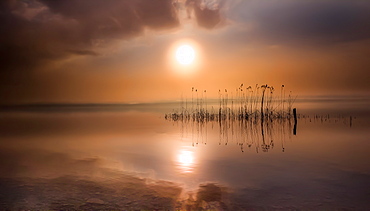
x,y
129,157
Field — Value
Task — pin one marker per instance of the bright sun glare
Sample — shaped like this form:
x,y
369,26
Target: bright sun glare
x,y
185,54
186,158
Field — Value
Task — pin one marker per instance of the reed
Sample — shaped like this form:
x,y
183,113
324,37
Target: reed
x,y
249,103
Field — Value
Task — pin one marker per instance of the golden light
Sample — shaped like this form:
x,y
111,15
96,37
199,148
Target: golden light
x,y
185,54
185,160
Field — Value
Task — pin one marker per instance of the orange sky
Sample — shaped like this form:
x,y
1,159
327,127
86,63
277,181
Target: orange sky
x,y
123,51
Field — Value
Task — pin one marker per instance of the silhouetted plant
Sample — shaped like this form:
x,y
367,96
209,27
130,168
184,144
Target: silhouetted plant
x,y
249,103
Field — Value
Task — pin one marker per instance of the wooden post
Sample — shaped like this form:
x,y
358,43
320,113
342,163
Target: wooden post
x,y
295,121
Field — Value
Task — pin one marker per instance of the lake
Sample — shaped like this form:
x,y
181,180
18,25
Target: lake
x,y
129,157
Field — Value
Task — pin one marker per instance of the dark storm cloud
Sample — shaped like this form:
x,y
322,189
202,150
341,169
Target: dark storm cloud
x,y
34,32
305,22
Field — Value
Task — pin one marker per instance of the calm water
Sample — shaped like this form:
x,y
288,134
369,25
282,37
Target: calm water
x,y
129,157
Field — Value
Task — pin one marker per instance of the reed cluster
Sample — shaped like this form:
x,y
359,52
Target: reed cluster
x,y
246,103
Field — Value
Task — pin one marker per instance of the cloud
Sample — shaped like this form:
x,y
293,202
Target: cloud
x,y
207,12
35,32
207,18
84,52
116,18
304,22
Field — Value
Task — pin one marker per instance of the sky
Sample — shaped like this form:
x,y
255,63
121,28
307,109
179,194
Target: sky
x,y
123,51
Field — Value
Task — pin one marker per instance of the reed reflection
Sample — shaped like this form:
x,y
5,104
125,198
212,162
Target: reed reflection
x,y
249,134
258,134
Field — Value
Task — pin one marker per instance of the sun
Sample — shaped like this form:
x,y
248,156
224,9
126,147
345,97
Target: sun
x,y
185,54
185,57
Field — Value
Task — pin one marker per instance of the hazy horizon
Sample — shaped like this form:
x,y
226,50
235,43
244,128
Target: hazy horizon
x,y
180,99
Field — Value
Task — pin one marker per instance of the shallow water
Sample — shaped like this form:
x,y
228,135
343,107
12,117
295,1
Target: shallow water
x,y
128,157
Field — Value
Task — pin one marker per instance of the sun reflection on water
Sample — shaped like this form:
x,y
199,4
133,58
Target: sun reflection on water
x,y
185,161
